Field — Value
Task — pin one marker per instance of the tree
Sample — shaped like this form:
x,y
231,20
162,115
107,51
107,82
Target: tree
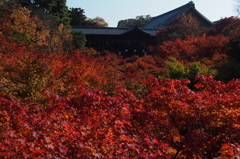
x,y
20,27
143,20
192,123
126,23
78,40
77,16
139,21
42,8
237,6
226,26
98,21
211,51
59,9
178,70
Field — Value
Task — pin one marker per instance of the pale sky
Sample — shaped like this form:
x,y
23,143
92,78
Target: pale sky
x,y
114,10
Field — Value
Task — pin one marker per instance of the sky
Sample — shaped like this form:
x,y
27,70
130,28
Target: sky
x,y
113,11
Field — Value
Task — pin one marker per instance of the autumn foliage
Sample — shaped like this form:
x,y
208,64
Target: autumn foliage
x,y
171,121
57,102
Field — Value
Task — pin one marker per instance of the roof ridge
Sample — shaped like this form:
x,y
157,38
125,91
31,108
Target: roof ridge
x,y
97,27
189,4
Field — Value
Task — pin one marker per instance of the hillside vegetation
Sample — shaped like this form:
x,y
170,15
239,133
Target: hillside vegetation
x,y
61,101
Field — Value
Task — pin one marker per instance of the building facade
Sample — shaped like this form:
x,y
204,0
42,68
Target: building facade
x,y
135,40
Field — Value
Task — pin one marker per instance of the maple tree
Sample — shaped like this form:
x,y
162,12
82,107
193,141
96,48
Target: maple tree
x,y
193,123
226,26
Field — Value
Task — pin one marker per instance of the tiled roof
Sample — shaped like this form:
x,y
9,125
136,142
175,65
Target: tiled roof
x,y
99,30
163,20
110,30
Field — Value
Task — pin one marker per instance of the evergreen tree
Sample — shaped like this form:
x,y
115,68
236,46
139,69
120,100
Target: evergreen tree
x,y
59,9
77,16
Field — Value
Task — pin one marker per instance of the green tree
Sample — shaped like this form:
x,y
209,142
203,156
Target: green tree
x,y
178,70
78,40
139,21
59,9
77,16
143,20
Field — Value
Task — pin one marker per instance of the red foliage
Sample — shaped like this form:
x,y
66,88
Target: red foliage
x,y
172,121
226,26
195,124
208,50
86,126
139,68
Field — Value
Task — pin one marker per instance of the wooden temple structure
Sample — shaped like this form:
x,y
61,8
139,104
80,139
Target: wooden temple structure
x,y
135,40
123,41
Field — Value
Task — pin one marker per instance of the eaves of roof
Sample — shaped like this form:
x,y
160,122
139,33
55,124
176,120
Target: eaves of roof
x,y
99,30
88,30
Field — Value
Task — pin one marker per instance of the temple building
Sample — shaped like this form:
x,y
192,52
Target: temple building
x,y
135,40
170,18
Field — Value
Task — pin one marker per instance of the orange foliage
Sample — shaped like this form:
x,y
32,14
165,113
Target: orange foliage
x,y
20,27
